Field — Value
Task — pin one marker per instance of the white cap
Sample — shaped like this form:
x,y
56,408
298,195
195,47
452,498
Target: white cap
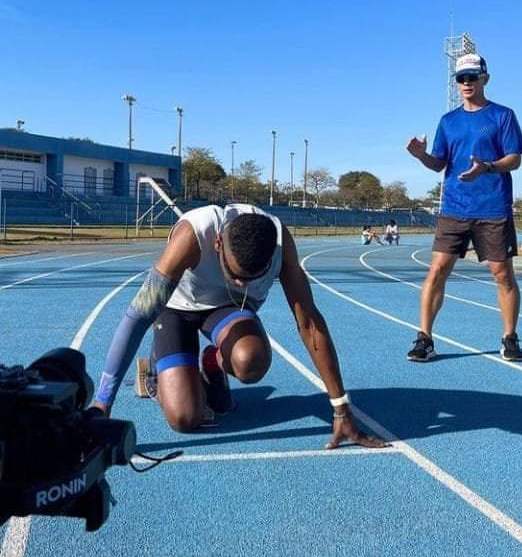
x,y
471,64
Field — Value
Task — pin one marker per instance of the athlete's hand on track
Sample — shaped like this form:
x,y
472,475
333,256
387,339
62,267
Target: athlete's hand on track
x,y
477,168
417,147
103,407
344,429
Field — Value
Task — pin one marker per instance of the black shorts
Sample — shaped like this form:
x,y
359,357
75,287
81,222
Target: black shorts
x,y
176,334
493,239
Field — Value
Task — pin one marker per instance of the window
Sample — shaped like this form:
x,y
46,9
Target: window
x,y
19,156
108,181
89,180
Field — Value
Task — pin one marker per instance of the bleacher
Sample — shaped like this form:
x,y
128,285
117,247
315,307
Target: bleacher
x,y
41,208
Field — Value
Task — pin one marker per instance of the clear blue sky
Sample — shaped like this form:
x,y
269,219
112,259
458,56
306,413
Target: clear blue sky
x,y
356,78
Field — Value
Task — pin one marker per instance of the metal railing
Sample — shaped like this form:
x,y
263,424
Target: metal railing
x,y
162,189
71,196
20,180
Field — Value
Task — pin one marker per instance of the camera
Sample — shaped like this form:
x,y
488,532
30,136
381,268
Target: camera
x,y
53,450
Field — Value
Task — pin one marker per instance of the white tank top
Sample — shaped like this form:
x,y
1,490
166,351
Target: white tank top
x,y
204,287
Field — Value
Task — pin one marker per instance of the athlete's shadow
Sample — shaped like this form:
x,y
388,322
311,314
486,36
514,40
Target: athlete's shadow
x,y
408,413
258,408
415,413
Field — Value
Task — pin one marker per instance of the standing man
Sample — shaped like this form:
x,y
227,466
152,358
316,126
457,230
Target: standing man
x,y
213,276
478,145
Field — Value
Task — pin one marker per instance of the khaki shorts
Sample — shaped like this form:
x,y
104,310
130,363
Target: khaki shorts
x,y
493,239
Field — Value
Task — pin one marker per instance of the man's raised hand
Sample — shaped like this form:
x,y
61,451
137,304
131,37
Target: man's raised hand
x,y
417,147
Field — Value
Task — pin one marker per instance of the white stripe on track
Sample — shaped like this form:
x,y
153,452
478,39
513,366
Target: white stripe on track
x,y
414,257
412,326
418,286
272,455
83,265
15,539
484,507
31,261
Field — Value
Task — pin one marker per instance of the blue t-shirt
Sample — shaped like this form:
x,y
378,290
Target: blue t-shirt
x,y
489,134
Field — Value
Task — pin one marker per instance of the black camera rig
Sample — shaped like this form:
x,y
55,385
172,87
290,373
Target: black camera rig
x,y
53,450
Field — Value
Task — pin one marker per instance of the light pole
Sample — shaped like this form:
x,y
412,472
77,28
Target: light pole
x,y
274,133
292,154
232,145
179,110
131,100
173,150
20,124
305,172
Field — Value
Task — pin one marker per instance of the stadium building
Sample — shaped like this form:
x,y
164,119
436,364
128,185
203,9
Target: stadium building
x,y
37,163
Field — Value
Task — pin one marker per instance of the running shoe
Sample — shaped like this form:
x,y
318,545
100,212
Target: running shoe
x,y
510,349
146,383
423,349
215,383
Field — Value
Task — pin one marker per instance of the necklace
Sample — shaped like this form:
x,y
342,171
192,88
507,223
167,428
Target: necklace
x,y
233,300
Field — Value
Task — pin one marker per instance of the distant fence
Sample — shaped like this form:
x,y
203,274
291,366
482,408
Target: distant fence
x,y
48,209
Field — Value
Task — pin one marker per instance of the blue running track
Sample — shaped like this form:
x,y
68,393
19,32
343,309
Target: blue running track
x,y
260,482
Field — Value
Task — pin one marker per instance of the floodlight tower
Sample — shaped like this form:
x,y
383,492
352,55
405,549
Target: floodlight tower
x,y
454,47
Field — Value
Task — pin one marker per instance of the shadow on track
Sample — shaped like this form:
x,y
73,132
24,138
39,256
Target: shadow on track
x,y
409,413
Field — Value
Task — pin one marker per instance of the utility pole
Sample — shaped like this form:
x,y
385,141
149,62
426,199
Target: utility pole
x,y
292,154
305,172
179,110
232,144
130,100
274,133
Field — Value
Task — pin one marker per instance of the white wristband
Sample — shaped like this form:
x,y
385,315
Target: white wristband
x,y
335,402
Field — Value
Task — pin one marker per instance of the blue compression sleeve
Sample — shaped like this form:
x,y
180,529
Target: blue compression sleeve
x,y
146,306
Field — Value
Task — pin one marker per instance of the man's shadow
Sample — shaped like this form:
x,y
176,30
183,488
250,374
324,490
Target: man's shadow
x,y
407,412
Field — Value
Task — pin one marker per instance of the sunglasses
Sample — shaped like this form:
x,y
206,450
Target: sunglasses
x,y
467,77
242,278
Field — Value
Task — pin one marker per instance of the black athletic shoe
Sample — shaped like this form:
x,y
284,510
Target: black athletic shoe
x,y
510,349
423,349
215,383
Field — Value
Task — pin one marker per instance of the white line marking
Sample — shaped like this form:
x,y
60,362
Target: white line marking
x,y
487,509
15,539
84,329
17,533
271,455
93,264
417,286
385,315
31,261
414,257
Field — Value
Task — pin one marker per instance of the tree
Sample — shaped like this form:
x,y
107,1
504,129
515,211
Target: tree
x,y
320,180
395,195
434,193
361,189
246,185
203,173
250,170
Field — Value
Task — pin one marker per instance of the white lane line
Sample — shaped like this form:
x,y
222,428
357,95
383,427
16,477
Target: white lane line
x,y
31,261
364,263
273,455
413,326
83,265
84,329
461,275
484,507
17,533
